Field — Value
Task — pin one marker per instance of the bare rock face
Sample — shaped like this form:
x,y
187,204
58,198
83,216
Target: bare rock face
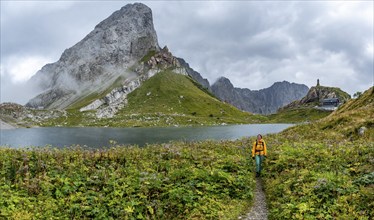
x,y
96,61
56,96
115,100
264,101
318,93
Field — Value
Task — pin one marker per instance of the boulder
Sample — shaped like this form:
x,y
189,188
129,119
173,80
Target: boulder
x,y
361,131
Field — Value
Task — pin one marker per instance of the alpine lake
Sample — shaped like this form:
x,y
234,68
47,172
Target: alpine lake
x,y
94,137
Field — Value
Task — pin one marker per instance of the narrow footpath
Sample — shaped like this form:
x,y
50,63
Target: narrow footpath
x,y
259,209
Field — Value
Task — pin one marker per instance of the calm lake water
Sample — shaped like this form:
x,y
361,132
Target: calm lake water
x,y
99,137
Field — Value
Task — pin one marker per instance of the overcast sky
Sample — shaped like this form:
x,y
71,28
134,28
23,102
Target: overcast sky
x,y
253,43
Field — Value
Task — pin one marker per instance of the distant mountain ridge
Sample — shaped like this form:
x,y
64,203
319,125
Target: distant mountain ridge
x,y
264,101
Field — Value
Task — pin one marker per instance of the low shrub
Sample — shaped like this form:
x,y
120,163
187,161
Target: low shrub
x,y
205,180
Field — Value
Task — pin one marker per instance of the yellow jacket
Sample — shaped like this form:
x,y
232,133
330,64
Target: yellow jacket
x,y
259,148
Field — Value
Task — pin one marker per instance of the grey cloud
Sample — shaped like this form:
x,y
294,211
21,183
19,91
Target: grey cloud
x,y
252,43
20,92
51,32
279,31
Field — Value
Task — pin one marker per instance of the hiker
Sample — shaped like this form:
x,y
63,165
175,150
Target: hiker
x,y
259,153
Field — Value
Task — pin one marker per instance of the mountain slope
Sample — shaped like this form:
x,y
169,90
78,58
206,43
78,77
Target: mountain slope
x,y
298,115
364,101
354,119
354,115
165,99
328,162
264,101
168,92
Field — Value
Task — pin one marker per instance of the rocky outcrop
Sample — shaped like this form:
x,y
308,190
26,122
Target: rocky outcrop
x,y
113,101
21,116
102,56
163,60
316,94
13,110
116,100
160,61
264,101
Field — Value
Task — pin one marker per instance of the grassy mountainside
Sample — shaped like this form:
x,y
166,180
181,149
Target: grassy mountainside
x,y
166,99
344,122
297,115
352,116
177,95
319,178
364,101
324,170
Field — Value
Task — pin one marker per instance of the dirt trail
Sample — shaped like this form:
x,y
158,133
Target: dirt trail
x,y
259,209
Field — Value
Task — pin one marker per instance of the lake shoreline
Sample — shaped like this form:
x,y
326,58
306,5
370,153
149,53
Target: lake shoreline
x,y
97,137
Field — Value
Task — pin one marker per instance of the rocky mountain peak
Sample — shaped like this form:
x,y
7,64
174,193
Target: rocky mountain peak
x,y
105,53
223,81
264,101
129,10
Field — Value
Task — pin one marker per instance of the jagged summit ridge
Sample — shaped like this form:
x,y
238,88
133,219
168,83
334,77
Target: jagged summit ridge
x,y
108,51
194,74
264,101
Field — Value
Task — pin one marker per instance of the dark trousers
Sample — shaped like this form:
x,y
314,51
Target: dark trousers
x,y
259,159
